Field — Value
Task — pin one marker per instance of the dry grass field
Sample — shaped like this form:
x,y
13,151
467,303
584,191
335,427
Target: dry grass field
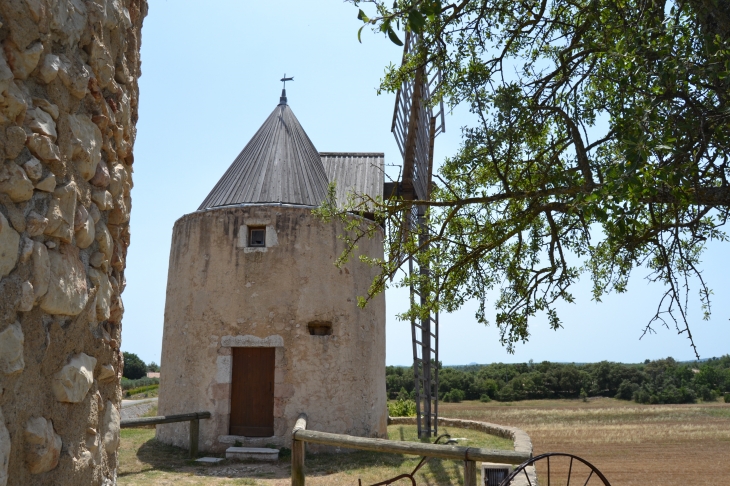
x,y
647,445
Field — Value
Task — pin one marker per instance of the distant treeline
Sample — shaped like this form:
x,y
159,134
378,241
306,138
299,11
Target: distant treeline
x,y
660,381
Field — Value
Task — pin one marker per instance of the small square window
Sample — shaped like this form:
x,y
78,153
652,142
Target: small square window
x,y
257,237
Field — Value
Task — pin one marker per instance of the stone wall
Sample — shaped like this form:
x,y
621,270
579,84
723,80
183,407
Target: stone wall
x,y
222,293
68,108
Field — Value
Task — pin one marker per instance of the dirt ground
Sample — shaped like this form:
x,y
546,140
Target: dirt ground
x,y
647,445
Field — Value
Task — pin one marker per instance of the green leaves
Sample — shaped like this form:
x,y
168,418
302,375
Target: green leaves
x,y
393,37
385,27
414,18
361,16
600,144
416,21
431,9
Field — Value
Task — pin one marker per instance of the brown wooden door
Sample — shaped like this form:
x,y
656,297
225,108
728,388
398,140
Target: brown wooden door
x,y
252,392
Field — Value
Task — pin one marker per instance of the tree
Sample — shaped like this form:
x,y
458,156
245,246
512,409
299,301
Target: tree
x,y
153,367
600,146
134,367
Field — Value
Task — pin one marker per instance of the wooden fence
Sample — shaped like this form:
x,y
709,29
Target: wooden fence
x,y
193,418
469,455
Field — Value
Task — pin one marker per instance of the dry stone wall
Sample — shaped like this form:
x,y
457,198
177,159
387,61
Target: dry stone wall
x,y
68,108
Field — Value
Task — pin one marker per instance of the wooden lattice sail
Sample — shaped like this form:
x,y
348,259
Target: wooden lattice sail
x,y
415,127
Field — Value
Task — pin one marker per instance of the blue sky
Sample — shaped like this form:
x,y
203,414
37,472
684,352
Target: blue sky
x,y
210,77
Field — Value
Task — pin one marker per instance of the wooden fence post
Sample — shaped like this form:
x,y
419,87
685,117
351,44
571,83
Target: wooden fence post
x,y
470,473
297,463
194,434
297,452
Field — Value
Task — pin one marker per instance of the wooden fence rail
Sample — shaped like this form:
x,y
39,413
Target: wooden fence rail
x,y
469,455
193,418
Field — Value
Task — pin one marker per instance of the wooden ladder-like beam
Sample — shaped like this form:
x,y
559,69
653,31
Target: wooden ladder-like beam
x,y
409,157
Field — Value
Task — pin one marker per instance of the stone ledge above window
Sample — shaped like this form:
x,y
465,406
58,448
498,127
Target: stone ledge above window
x,y
249,341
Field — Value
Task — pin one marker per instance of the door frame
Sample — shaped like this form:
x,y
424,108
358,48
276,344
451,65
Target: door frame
x,y
221,389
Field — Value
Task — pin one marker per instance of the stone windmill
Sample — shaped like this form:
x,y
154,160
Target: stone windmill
x,y
415,127
260,326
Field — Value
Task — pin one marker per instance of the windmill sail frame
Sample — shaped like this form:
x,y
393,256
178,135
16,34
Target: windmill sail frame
x,y
415,127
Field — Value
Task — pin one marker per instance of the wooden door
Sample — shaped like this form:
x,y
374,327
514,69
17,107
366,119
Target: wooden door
x,y
252,392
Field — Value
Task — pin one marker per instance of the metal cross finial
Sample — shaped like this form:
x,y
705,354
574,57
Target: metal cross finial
x,y
282,100
285,79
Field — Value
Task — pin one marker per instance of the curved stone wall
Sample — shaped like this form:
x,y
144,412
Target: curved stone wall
x,y
519,437
68,108
224,293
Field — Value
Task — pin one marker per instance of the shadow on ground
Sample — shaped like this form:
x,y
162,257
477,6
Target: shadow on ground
x,y
158,458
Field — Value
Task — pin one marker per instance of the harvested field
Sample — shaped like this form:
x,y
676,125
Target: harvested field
x,y
647,445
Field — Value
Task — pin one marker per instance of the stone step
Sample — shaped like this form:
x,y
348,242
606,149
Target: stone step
x,y
260,453
210,460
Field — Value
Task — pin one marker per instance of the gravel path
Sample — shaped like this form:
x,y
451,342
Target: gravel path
x,y
131,410
131,403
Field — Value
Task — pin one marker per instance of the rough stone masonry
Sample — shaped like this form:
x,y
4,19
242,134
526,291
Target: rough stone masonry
x,y
68,108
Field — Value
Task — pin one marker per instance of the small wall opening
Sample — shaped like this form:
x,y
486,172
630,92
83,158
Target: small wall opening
x,y
257,236
320,328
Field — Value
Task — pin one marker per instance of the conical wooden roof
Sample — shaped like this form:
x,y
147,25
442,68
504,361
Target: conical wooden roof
x,y
278,165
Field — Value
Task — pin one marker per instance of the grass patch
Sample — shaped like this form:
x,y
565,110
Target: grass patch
x,y
128,384
152,412
144,461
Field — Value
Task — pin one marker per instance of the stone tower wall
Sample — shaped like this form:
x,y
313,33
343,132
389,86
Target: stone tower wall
x,y
68,108
222,294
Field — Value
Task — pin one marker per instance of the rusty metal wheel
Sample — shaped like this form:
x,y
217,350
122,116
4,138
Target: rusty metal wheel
x,y
556,468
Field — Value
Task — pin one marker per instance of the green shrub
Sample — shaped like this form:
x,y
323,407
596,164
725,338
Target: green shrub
x,y
485,398
626,390
141,389
453,396
402,408
128,384
727,397
706,393
403,394
641,396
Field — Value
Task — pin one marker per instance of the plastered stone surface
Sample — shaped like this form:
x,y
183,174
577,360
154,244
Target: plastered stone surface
x,y
220,296
67,289
4,451
107,373
68,109
11,349
72,383
9,241
42,445
111,428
